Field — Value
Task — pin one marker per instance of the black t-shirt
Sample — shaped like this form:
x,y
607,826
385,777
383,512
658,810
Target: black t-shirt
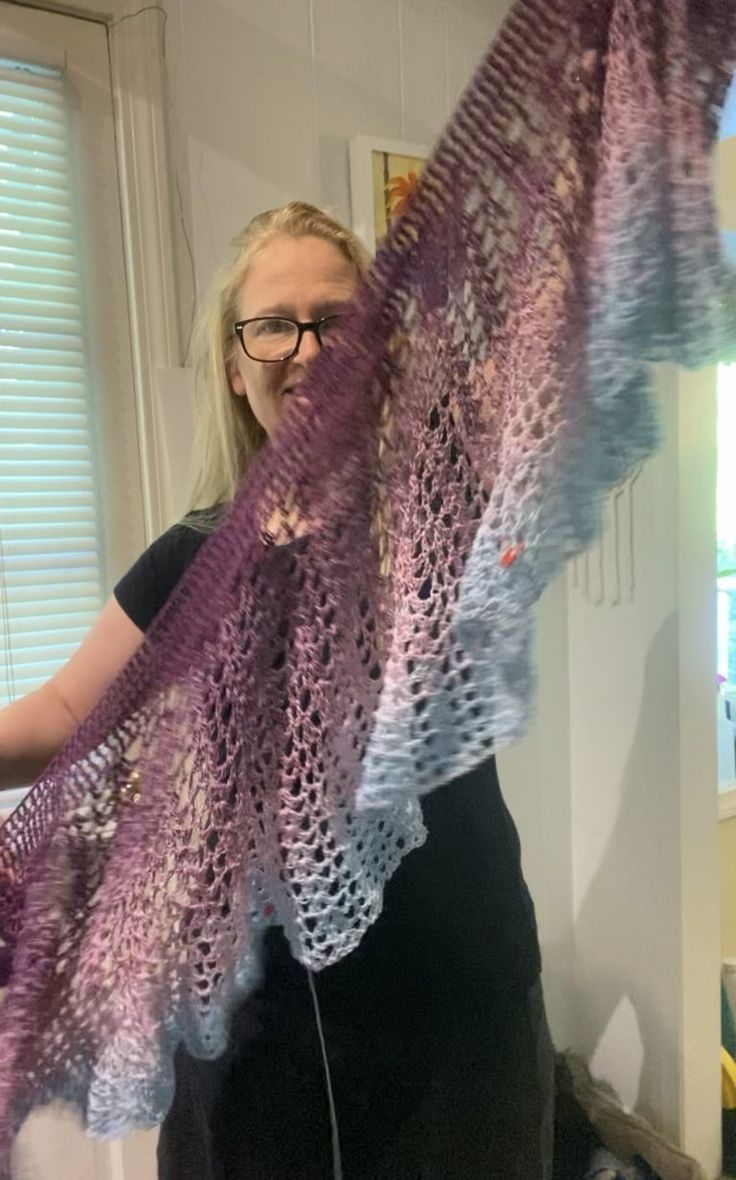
x,y
457,913
145,588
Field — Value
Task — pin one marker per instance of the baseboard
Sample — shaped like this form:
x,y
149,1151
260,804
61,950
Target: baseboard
x,y
626,1135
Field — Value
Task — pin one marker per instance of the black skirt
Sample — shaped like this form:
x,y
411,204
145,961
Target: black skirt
x,y
469,1098
434,1029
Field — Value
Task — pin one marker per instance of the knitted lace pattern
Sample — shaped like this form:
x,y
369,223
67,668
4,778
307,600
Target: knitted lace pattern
x,y
358,629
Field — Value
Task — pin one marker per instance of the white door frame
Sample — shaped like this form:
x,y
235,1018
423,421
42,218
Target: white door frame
x,y
136,46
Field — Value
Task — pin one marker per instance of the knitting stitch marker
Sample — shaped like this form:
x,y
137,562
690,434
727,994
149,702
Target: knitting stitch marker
x,y
509,556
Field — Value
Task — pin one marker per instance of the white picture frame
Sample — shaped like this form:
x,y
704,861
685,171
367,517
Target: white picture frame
x,y
398,159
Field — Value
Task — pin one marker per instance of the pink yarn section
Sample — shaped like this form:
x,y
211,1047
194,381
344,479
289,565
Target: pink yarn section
x,y
358,629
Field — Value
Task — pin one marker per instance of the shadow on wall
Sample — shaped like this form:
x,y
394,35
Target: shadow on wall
x,y
627,925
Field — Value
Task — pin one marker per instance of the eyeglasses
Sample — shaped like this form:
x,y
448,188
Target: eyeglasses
x,y
272,338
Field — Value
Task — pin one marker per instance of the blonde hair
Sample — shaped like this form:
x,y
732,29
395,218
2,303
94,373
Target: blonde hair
x,y
227,433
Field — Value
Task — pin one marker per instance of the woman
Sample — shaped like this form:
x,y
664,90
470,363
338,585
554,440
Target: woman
x,y
425,1052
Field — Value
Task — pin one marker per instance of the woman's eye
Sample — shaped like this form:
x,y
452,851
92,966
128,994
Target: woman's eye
x,y
274,327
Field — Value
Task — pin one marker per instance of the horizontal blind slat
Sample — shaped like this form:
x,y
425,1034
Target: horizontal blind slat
x,y
31,169
49,298
48,330
30,427
15,109
39,405
46,89
42,276
31,189
62,591
17,104
26,388
22,209
45,348
60,481
26,614
32,133
32,259
49,246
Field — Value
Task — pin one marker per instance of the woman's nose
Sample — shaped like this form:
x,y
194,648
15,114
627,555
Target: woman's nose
x,y
308,349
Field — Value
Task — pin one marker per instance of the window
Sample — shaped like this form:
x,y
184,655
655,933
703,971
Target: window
x,y
727,190
726,493
726,527
70,498
51,554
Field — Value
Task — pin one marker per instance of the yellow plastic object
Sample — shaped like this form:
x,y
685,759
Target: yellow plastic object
x,y
728,1081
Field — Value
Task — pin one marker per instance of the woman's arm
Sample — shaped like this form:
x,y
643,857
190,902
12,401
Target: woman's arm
x,y
36,727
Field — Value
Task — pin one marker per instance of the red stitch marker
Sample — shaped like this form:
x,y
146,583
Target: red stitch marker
x,y
509,556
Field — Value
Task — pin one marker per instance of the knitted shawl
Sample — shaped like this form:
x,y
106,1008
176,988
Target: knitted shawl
x,y
358,629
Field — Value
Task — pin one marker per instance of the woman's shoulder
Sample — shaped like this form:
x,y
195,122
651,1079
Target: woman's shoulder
x,y
175,548
144,589
201,521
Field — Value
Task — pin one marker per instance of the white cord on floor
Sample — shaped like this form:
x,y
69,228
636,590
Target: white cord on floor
x,y
336,1154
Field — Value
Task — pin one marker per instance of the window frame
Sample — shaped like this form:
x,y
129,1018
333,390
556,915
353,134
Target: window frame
x,y
136,47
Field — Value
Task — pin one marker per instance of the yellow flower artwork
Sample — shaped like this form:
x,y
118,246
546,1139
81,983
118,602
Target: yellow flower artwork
x,y
394,179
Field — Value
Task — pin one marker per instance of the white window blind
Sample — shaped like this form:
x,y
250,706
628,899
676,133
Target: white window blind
x,y
51,583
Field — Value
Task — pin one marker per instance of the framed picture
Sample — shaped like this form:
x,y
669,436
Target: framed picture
x,y
383,174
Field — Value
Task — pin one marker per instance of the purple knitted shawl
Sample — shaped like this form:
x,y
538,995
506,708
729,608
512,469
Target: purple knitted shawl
x,y
358,630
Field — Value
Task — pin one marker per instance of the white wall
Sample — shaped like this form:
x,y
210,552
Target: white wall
x,y
266,96
535,777
614,788
643,775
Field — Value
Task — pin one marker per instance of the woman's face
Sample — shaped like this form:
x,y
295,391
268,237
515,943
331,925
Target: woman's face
x,y
303,279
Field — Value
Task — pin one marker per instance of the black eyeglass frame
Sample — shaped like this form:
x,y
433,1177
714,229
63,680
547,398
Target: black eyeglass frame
x,y
301,326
